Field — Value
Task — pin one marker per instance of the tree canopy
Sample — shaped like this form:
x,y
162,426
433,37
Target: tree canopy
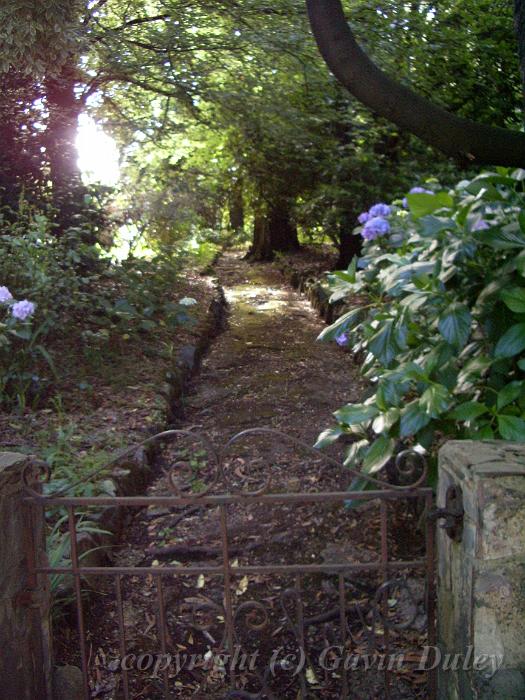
x,y
226,115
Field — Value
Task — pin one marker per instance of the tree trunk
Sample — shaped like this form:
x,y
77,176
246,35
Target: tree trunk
x,y
519,15
349,244
463,139
282,230
22,161
261,248
236,207
12,170
273,231
64,111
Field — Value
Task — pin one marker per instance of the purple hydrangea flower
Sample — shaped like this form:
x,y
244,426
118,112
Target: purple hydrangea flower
x,y
380,210
23,310
364,217
5,295
374,228
481,225
342,340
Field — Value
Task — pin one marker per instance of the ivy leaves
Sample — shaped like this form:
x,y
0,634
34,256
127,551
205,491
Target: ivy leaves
x,y
378,454
513,341
347,322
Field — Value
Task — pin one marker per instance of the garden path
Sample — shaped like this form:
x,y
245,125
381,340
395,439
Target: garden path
x,y
265,370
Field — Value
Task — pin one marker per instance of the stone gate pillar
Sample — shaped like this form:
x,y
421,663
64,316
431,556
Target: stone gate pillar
x,y
25,646
481,576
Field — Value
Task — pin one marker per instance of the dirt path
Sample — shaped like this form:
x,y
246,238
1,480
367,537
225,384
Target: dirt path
x,y
265,370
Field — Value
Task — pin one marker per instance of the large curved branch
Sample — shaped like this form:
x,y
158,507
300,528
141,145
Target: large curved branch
x,y
454,136
519,18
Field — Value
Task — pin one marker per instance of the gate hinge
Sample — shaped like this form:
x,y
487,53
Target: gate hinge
x,y
453,513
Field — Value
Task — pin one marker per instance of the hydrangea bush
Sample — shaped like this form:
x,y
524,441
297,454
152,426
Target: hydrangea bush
x,y
19,346
442,331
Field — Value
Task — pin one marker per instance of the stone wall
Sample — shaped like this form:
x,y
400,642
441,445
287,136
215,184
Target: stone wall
x,y
481,606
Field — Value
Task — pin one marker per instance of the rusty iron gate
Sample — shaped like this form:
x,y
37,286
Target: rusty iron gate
x,y
270,646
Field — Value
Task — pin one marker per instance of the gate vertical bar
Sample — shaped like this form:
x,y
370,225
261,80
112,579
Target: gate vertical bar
x,y
384,601
162,632
78,595
228,606
300,629
431,591
344,634
122,635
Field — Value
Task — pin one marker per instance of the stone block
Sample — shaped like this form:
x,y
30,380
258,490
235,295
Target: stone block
x,y
481,580
25,639
68,683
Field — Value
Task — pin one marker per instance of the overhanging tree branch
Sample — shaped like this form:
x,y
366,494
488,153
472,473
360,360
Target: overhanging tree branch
x,y
519,14
136,22
452,135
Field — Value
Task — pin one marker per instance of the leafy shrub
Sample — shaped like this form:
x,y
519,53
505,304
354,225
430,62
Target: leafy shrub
x,y
442,328
79,295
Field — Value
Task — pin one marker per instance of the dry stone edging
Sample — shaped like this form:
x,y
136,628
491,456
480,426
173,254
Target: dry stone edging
x,y
308,282
189,358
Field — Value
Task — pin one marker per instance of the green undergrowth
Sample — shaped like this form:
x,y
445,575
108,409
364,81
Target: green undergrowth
x,y
67,304
85,355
